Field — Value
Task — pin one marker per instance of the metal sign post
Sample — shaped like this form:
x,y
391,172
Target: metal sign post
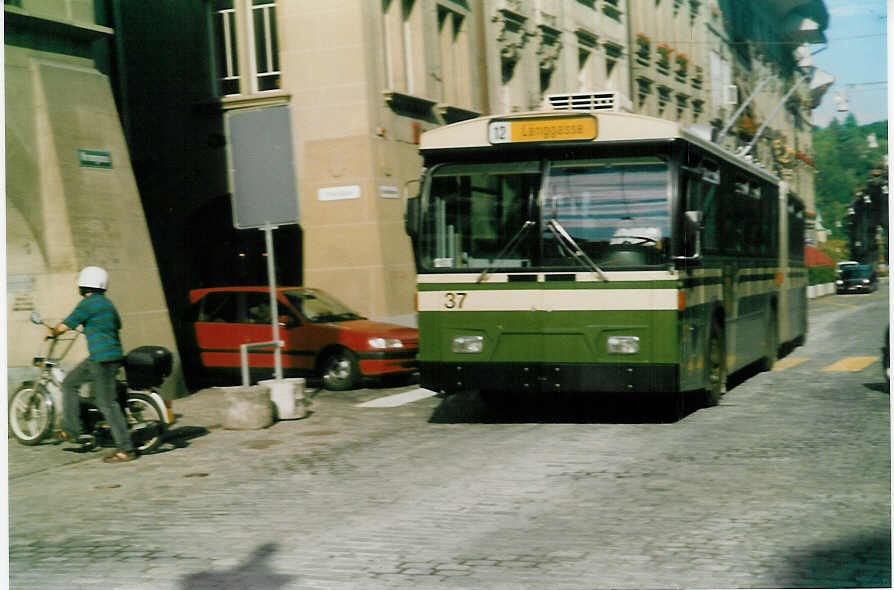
x,y
274,303
264,192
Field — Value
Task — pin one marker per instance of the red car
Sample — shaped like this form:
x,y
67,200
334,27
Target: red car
x,y
322,336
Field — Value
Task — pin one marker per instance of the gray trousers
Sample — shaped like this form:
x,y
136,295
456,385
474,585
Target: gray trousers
x,y
104,395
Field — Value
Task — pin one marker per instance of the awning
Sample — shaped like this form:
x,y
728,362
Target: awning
x,y
799,29
814,257
819,85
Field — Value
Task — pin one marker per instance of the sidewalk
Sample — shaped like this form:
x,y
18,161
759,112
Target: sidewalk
x,y
333,420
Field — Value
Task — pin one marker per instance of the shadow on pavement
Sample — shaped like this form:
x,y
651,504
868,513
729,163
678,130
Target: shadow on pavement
x,y
859,562
255,573
180,437
880,387
492,407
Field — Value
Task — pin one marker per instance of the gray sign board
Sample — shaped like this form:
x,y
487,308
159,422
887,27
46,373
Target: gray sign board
x,y
262,167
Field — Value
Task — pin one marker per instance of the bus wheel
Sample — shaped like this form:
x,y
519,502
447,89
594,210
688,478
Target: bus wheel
x,y
769,359
716,386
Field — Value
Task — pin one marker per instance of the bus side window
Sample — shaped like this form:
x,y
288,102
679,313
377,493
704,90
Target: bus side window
x,y
710,206
709,220
754,224
770,205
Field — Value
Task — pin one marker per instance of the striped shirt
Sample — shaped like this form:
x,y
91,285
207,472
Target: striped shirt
x,y
101,325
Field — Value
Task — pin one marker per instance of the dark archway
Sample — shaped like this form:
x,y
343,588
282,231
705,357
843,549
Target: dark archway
x,y
215,254
220,255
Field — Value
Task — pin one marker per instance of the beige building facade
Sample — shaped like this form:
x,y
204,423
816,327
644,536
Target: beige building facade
x,y
731,65
71,198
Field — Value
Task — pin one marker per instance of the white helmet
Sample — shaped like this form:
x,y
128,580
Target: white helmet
x,y
94,278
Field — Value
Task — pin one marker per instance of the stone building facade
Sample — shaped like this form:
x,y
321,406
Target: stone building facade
x,y
71,197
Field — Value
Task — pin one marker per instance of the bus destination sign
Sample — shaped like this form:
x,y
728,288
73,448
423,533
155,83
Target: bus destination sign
x,y
583,127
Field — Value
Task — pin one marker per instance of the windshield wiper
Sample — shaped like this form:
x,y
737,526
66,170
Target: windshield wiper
x,y
506,249
567,242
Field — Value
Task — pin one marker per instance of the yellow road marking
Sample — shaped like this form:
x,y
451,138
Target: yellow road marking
x,y
854,363
788,362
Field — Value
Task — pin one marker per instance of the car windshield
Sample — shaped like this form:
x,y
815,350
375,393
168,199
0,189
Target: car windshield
x,y
320,307
856,272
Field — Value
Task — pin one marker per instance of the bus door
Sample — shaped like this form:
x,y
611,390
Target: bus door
x,y
704,283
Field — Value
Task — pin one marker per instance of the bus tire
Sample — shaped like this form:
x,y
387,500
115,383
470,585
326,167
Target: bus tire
x,y
716,367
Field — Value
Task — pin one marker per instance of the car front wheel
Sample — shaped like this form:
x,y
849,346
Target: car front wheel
x,y
339,370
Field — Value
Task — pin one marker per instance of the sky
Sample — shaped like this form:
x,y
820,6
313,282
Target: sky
x,y
857,55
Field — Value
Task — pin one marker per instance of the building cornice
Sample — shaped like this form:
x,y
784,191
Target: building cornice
x,y
24,20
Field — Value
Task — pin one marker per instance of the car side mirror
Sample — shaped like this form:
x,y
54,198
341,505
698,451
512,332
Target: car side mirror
x,y
288,321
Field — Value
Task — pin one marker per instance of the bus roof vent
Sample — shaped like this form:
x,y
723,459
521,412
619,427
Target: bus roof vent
x,y
609,100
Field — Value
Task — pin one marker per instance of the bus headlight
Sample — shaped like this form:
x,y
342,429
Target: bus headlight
x,y
385,343
468,344
622,344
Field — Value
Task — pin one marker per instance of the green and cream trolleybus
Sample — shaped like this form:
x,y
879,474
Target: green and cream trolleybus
x,y
599,251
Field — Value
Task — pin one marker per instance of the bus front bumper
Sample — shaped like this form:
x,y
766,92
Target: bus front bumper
x,y
548,377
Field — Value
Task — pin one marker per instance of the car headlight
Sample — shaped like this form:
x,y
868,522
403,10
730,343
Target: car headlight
x,y
865,281
386,343
468,344
622,344
839,282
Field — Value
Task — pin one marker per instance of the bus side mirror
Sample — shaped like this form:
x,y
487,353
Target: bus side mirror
x,y
411,217
411,214
693,221
692,234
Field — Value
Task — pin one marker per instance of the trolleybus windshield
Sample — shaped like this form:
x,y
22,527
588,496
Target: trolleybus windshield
x,y
481,217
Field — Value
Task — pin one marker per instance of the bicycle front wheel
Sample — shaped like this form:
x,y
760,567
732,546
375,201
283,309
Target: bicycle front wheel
x,y
30,414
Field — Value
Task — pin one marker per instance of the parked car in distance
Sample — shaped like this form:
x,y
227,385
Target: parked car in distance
x,y
323,337
856,278
844,264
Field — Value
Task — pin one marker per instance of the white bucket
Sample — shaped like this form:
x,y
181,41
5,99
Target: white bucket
x,y
287,396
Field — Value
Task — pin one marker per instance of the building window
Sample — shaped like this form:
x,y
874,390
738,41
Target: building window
x,y
266,49
586,47
407,13
226,47
246,26
403,46
454,57
613,54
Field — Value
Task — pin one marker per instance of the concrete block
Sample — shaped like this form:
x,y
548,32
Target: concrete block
x,y
287,396
246,408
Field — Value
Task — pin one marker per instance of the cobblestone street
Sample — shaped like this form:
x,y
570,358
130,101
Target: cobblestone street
x,y
785,484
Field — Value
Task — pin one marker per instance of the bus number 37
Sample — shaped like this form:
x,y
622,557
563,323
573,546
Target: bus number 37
x,y
454,300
